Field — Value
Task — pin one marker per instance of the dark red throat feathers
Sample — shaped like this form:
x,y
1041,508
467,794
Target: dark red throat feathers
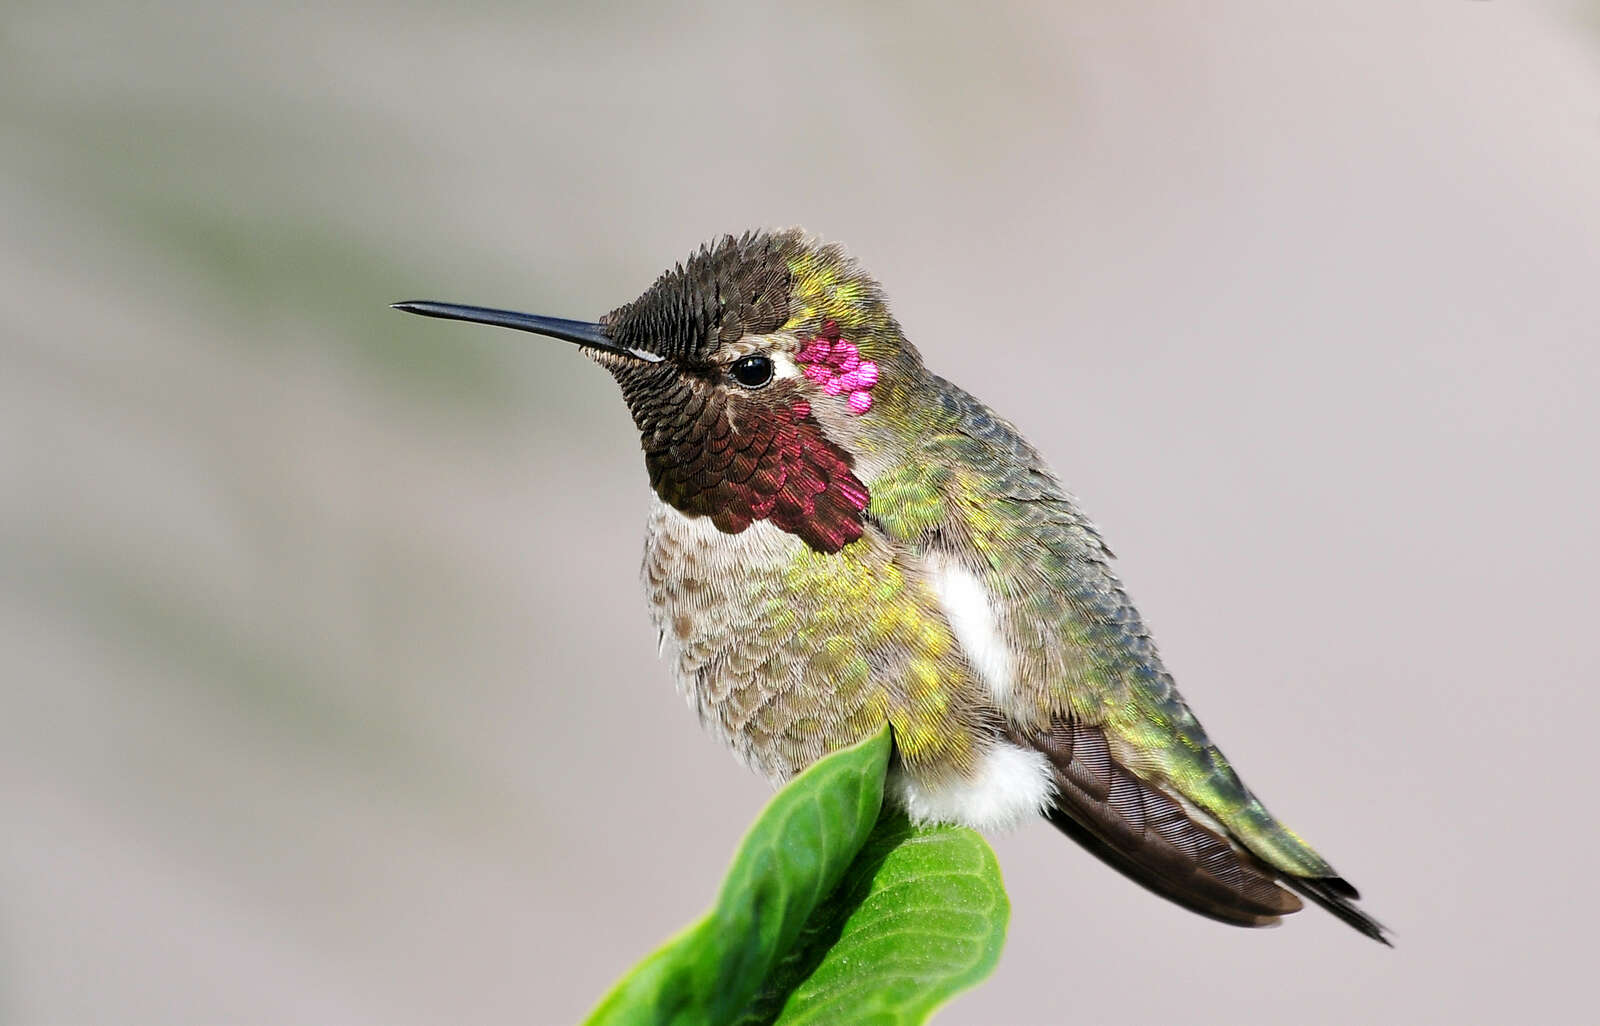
x,y
739,462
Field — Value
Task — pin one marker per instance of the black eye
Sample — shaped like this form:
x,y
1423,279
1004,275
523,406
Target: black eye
x,y
752,371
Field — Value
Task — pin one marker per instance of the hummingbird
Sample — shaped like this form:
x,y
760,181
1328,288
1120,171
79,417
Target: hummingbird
x,y
841,537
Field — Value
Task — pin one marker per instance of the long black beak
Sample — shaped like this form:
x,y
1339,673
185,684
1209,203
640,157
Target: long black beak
x,y
584,333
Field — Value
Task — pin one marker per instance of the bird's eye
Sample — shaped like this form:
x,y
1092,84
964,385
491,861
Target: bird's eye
x,y
751,371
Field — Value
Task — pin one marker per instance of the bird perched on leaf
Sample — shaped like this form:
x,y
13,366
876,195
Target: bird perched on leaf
x,y
842,537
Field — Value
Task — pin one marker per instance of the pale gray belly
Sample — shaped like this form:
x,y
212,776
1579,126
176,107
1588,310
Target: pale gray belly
x,y
704,590
728,627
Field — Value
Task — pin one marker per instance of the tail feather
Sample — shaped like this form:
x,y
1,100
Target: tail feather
x,y
1337,896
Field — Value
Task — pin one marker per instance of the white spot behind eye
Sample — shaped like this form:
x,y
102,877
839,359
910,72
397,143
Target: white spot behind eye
x,y
783,366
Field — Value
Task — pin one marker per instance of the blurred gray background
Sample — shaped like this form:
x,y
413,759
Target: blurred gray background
x,y
327,693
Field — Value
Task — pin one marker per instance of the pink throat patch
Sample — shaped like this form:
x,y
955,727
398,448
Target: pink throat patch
x,y
836,365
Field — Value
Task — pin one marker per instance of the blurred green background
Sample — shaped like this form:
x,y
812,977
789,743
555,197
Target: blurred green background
x,y
327,692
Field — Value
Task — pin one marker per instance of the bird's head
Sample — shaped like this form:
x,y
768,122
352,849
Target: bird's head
x,y
766,377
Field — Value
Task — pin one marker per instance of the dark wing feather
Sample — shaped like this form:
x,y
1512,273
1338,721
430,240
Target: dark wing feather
x,y
1147,835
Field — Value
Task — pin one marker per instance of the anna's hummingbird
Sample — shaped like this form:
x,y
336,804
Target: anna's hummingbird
x,y
842,537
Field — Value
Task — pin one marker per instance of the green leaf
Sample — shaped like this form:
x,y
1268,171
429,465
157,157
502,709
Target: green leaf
x,y
920,916
830,915
792,858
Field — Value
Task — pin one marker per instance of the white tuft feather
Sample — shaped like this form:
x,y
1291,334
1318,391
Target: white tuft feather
x,y
967,606
1010,785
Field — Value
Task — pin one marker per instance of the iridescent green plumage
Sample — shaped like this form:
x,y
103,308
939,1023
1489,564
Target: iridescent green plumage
x,y
845,538
1083,650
